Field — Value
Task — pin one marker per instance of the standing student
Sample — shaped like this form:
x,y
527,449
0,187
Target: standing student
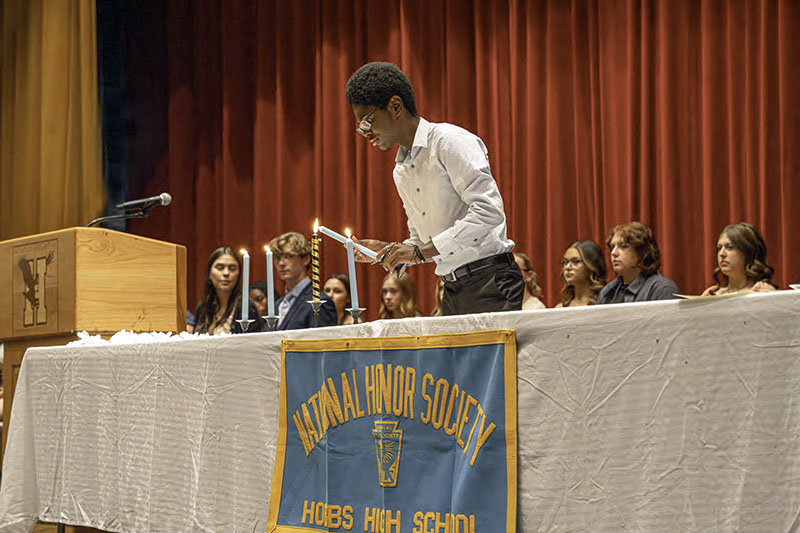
x,y
453,207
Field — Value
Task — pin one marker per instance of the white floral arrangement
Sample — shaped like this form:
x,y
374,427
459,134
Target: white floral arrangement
x,y
128,337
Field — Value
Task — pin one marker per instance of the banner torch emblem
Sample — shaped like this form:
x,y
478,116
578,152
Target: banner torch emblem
x,y
388,440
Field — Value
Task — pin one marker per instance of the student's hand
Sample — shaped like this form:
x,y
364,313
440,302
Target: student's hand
x,y
710,291
373,244
396,254
763,286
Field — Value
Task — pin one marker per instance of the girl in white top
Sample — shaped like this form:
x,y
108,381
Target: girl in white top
x,y
741,261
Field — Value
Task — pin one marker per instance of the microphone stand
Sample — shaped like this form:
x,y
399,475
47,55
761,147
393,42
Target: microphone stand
x,y
141,213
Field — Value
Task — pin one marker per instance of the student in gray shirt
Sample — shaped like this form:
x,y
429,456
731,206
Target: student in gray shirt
x,y
635,259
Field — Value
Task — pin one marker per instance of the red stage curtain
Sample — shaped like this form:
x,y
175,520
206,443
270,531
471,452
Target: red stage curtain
x,y
684,115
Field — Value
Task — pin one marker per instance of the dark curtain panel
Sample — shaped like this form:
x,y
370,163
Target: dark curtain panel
x,y
681,114
110,17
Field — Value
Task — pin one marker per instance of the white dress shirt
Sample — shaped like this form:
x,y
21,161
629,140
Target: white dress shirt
x,y
450,196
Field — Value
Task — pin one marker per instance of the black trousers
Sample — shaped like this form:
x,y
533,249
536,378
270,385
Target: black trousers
x,y
491,289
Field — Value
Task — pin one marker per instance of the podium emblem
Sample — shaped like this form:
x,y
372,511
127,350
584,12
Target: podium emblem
x,y
34,275
34,287
388,440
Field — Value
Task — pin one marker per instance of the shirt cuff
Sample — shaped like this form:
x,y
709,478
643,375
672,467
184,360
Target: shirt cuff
x,y
412,242
446,243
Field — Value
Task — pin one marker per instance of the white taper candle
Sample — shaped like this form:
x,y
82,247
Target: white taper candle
x,y
245,285
351,267
270,283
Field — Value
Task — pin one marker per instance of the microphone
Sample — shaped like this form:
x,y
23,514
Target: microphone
x,y
146,203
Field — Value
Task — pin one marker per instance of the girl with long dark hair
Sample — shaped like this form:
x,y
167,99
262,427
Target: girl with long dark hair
x,y
221,305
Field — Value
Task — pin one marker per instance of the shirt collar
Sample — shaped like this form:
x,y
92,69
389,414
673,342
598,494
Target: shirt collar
x,y
420,141
636,284
295,292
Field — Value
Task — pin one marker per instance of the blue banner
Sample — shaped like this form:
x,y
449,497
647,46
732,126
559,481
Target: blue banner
x,y
411,434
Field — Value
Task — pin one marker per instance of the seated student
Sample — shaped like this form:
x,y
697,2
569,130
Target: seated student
x,y
437,310
397,297
292,257
221,305
337,287
583,273
532,299
258,295
635,259
741,261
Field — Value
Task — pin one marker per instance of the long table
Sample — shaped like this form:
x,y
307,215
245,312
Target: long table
x,y
662,416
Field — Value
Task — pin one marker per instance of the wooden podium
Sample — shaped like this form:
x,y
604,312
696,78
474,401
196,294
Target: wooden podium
x,y
84,279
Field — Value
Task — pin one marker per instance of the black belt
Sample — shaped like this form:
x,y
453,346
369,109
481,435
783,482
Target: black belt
x,y
480,264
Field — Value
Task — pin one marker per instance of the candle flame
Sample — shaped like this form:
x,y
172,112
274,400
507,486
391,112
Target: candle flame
x,y
243,251
266,248
316,225
347,232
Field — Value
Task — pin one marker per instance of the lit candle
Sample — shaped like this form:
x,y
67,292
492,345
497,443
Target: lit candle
x,y
315,262
245,284
342,239
270,283
351,266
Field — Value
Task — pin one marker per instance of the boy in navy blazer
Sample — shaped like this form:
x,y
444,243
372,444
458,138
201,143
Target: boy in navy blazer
x,y
292,258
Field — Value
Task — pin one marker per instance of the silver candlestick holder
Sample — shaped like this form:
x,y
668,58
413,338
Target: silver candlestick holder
x,y
272,321
315,306
355,312
245,324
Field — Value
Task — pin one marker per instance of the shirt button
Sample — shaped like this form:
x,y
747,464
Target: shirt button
x,y
417,189
423,213
412,165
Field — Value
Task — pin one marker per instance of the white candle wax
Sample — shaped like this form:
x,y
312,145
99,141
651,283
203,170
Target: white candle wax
x,y
332,234
351,266
270,285
245,285
342,239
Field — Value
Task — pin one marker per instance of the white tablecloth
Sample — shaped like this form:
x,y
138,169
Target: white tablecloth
x,y
664,416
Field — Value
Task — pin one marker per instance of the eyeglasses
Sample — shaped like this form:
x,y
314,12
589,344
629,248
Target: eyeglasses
x,y
575,262
365,124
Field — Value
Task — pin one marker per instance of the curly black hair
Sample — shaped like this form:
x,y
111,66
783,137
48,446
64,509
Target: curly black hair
x,y
376,83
